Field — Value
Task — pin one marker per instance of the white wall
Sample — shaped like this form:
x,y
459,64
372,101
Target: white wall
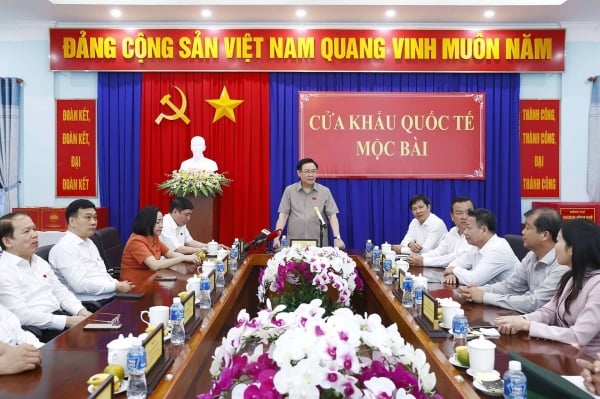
x,y
573,89
24,52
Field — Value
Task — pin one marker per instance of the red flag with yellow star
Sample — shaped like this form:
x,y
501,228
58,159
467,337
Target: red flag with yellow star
x,y
230,111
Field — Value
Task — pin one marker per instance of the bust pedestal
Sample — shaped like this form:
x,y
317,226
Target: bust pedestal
x,y
204,223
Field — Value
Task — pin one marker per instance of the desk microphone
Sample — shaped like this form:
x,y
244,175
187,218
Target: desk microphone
x,y
318,212
259,239
274,234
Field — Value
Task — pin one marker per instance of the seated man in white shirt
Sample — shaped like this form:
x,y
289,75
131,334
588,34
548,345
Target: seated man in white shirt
x,y
175,233
453,244
533,282
77,262
491,260
18,348
425,231
28,286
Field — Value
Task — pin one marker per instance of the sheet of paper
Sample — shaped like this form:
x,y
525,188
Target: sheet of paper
x,y
577,380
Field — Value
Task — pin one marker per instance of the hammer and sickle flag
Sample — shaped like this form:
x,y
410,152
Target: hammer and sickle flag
x,y
224,106
179,113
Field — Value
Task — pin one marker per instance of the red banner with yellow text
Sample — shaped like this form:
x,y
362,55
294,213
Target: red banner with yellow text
x,y
394,135
540,145
506,50
75,148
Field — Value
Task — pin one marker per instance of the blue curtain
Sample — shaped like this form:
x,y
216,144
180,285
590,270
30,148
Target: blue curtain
x,y
119,116
11,91
378,208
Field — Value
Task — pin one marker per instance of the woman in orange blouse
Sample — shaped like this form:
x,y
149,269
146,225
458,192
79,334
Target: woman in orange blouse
x,y
144,253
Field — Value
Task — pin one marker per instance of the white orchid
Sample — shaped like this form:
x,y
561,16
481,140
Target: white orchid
x,y
304,353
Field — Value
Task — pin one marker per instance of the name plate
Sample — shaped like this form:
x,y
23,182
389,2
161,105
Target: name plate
x,y
157,362
401,276
209,271
155,347
104,390
430,310
189,308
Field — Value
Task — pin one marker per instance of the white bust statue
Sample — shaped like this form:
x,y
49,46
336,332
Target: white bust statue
x,y
198,161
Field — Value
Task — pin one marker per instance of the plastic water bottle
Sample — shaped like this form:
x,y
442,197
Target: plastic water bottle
x,y
233,255
515,381
177,326
387,271
376,258
204,292
283,242
460,325
408,300
369,251
136,366
220,277
420,287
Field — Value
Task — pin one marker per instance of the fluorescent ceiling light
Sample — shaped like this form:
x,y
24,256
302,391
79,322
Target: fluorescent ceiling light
x,y
317,2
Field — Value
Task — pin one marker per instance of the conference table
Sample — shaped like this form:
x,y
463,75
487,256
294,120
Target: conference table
x,y
76,354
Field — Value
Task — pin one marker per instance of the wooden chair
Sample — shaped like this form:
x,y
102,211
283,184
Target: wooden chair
x,y
110,246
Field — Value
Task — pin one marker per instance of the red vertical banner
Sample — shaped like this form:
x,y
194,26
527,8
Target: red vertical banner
x,y
75,148
539,133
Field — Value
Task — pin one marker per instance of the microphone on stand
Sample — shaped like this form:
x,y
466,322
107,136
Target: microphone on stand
x,y
321,220
264,235
259,239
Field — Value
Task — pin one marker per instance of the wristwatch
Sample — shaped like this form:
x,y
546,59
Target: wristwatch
x,y
337,237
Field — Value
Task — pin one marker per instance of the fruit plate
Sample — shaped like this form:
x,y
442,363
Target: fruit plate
x,y
122,388
454,361
493,390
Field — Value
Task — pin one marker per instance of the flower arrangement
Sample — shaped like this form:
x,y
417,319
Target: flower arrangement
x,y
304,354
194,182
297,275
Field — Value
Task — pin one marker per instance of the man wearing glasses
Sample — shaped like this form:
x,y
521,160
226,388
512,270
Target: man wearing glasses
x,y
303,204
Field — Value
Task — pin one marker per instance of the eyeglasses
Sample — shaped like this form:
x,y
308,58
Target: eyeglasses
x,y
114,319
309,172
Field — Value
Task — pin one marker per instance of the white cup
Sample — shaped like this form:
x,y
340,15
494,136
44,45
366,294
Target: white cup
x,y
449,309
156,315
482,355
386,247
193,284
212,247
402,265
222,253
117,351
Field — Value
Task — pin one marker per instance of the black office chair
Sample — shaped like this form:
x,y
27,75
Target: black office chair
x,y
516,243
110,246
44,251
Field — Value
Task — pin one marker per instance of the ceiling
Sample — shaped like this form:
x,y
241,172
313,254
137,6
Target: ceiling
x,y
272,13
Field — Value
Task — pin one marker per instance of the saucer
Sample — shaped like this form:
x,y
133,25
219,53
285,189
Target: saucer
x,y
444,326
478,385
493,375
456,363
122,388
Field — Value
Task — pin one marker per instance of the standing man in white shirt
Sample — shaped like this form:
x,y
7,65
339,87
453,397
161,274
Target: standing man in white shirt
x,y
425,231
491,260
533,282
77,262
28,286
175,233
454,242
